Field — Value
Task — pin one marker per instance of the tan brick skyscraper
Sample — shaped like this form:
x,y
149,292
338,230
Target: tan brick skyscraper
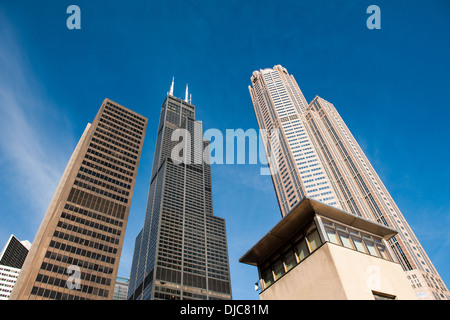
x,y
320,159
75,254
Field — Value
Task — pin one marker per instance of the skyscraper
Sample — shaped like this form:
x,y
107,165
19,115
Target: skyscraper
x,y
12,258
76,251
280,105
181,251
15,252
121,289
319,157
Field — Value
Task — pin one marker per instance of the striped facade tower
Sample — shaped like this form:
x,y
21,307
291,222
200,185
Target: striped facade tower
x,y
319,158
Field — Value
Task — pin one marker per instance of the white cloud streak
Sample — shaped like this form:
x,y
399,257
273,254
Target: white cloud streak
x,y
30,165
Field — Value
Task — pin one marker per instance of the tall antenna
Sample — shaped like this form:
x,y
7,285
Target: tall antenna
x,y
171,87
186,95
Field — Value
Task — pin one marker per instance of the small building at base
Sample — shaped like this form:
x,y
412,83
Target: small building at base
x,y
318,252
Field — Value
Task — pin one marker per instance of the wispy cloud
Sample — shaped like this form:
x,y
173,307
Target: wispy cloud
x,y
243,176
435,240
30,163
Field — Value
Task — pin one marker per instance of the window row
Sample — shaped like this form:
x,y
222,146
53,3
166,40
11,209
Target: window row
x,y
112,153
115,140
91,224
99,191
107,171
111,123
63,270
121,124
123,117
90,201
77,262
115,150
122,110
47,293
353,239
82,252
108,179
118,133
84,241
109,162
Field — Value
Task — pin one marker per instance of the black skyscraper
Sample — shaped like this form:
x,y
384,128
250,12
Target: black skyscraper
x,y
181,252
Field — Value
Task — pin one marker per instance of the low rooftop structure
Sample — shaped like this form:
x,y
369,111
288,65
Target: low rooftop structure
x,y
321,252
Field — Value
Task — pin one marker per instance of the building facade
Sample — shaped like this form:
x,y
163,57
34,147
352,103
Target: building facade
x,y
12,258
8,278
319,158
181,251
15,252
76,251
121,288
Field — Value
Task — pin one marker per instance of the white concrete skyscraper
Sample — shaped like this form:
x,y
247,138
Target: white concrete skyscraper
x,y
279,104
319,158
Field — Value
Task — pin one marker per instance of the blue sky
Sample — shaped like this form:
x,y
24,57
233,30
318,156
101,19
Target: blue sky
x,y
389,85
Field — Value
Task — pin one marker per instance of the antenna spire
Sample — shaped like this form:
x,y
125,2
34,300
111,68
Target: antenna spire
x,y
171,87
186,95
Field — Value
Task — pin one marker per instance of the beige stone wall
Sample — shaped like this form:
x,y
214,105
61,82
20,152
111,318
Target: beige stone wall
x,y
337,273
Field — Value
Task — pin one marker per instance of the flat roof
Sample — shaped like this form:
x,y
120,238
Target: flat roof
x,y
298,218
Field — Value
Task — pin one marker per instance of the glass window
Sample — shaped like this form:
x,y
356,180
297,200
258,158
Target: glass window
x,y
366,237
278,268
345,239
371,248
327,223
353,232
267,277
298,237
289,260
377,240
382,250
314,240
302,250
358,244
332,236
